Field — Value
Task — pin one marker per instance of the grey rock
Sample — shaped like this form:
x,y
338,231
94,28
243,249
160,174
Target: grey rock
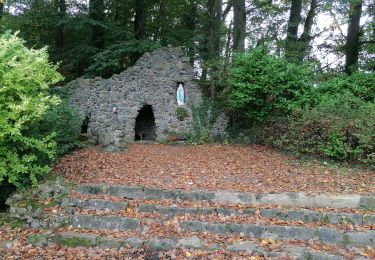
x,y
329,235
105,222
109,243
242,246
134,242
360,238
192,242
161,243
100,204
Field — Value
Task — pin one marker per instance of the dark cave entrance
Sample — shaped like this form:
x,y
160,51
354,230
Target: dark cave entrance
x,y
145,127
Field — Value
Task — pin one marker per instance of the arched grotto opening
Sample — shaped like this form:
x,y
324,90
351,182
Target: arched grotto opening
x,y
145,127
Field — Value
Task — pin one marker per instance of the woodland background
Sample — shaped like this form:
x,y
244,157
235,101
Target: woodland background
x,y
297,75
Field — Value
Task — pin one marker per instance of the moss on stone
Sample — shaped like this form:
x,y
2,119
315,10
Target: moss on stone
x,y
76,242
345,239
326,219
16,223
35,239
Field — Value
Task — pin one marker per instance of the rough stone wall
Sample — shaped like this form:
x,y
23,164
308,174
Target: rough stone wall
x,y
152,81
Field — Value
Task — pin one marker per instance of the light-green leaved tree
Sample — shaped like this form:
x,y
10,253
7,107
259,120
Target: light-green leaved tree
x,y
25,77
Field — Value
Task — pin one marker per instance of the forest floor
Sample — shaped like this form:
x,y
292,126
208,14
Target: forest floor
x,y
255,169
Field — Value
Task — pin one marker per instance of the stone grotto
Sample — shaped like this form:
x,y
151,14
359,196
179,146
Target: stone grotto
x,y
142,103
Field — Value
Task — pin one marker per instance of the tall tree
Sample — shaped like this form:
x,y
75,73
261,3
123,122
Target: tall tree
x,y
61,14
292,31
96,13
353,45
305,39
239,25
1,9
215,10
190,24
214,25
139,19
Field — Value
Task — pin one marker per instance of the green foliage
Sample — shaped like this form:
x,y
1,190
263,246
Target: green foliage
x,y
360,84
25,76
181,113
118,57
204,116
65,122
340,126
261,85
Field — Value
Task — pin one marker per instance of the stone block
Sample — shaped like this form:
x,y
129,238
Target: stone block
x,y
161,243
105,222
247,246
192,242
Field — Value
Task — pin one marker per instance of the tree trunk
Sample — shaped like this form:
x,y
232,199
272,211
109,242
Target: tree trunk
x,y
139,20
163,20
352,47
304,41
96,12
61,13
1,9
214,26
239,25
227,46
292,31
190,23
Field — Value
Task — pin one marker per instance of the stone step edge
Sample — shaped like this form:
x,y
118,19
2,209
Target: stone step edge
x,y
290,199
278,232
164,244
304,215
320,234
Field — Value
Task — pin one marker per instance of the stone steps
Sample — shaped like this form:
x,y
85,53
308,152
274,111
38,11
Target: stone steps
x,y
167,243
304,215
289,199
178,218
279,232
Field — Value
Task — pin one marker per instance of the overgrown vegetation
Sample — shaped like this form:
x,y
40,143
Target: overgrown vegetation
x,y
35,125
334,119
25,76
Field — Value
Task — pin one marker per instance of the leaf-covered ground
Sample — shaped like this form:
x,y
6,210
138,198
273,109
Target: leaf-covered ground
x,y
253,168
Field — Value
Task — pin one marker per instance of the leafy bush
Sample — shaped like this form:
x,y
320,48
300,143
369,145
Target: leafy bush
x,y
341,126
25,76
65,122
204,117
360,84
181,113
261,85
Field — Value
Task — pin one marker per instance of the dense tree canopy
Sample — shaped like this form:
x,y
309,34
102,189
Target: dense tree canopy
x,y
81,34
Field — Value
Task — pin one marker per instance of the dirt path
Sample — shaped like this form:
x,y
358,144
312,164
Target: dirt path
x,y
213,167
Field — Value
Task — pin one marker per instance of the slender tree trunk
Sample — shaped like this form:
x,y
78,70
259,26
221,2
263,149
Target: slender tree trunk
x,y
1,9
239,25
96,12
227,46
61,13
190,23
163,20
214,26
304,41
292,31
352,47
139,19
